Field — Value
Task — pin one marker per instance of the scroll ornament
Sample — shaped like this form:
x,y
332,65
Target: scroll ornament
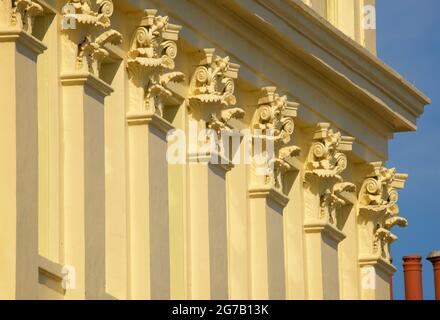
x,y
24,13
93,18
378,207
212,86
273,123
151,57
326,162
213,80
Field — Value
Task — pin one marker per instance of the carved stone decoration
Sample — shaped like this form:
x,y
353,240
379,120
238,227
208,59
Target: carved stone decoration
x,y
274,123
220,125
92,19
325,164
151,57
24,13
86,13
213,80
378,209
211,96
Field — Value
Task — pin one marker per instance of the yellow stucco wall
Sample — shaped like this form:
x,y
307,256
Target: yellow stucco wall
x,y
90,207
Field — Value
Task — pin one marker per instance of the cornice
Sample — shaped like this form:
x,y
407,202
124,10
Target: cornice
x,y
268,193
86,78
18,35
319,33
331,37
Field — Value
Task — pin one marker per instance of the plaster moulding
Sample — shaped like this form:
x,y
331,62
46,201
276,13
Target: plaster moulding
x,y
24,38
378,210
325,163
273,122
85,78
91,33
151,58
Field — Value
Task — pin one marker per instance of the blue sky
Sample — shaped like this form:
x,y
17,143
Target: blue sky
x,y
409,41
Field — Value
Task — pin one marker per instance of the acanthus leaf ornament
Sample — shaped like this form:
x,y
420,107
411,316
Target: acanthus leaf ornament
x,y
151,59
378,209
326,159
211,93
325,163
86,13
274,123
213,80
24,13
93,19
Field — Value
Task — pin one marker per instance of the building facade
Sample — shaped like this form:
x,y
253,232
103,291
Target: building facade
x,y
125,130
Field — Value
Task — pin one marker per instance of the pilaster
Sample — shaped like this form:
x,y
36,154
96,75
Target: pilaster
x,y
83,186
19,50
378,213
211,100
325,194
273,157
150,63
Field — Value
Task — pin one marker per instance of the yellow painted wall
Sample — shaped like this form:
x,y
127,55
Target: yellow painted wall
x,y
91,209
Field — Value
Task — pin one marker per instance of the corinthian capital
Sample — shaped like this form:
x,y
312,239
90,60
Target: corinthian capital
x,y
151,58
24,13
326,158
273,126
89,31
213,80
325,163
378,209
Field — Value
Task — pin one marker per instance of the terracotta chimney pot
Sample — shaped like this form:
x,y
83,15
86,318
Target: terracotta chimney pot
x,y
412,267
434,257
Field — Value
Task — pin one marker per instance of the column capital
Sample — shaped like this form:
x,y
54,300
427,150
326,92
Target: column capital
x,y
324,166
272,128
23,13
211,98
151,57
86,26
378,209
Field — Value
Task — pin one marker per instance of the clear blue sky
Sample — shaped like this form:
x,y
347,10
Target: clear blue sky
x,y
409,41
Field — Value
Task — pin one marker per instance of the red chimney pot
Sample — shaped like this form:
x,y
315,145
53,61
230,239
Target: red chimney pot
x,y
412,267
434,257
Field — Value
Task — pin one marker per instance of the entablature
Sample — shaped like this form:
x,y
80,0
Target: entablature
x,y
285,44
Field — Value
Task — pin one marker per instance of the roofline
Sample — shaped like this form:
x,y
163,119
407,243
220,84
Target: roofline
x,y
342,38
